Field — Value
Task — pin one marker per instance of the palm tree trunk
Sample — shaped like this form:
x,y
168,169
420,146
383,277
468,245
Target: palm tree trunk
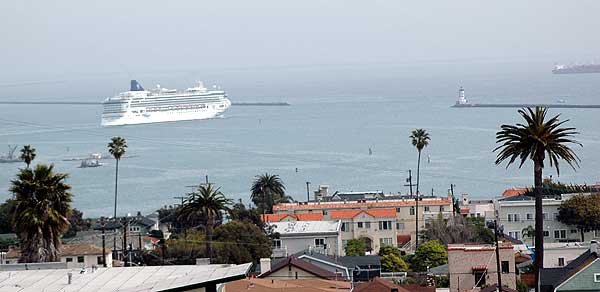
x,y
582,235
209,235
417,203
539,222
115,210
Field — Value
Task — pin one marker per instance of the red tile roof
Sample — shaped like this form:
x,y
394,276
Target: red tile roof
x,y
357,205
348,214
513,192
297,216
464,211
378,285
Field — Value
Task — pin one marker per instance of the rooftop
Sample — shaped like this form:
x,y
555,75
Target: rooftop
x,y
82,249
356,204
304,285
348,214
130,279
296,216
477,247
300,227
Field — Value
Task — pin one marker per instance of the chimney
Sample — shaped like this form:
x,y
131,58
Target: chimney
x,y
265,265
594,247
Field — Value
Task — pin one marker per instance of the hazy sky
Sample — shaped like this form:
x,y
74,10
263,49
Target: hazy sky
x,y
43,39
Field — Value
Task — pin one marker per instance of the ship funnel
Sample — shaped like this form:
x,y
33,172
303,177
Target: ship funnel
x,y
135,86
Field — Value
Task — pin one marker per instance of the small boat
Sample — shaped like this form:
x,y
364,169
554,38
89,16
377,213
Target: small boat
x,y
10,156
86,163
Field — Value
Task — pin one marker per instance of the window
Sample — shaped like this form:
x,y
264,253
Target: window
x,y
561,262
545,216
546,233
505,267
360,225
555,216
399,226
441,208
385,241
479,279
412,210
573,231
560,234
517,217
80,259
385,225
69,260
596,277
345,226
529,216
426,208
320,242
367,225
397,210
99,260
324,212
277,243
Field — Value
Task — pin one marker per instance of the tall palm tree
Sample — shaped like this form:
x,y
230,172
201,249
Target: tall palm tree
x,y
420,139
537,139
204,206
27,154
266,191
116,148
529,232
43,206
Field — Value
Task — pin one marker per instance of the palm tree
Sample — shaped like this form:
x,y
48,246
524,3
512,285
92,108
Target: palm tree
x,y
268,190
529,232
27,154
116,148
205,207
43,206
420,139
537,139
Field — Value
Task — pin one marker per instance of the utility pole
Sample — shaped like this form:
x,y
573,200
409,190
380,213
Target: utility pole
x,y
409,181
410,185
206,179
497,255
307,191
125,226
140,241
452,194
103,225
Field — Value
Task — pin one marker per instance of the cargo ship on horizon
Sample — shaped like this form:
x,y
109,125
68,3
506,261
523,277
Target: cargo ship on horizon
x,y
576,69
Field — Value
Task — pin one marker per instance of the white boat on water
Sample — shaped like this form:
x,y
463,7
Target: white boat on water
x,y
140,106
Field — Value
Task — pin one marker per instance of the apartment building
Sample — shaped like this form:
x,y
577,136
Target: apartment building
x,y
518,212
474,266
476,208
383,221
315,236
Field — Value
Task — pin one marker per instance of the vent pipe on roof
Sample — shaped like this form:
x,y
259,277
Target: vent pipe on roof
x,y
594,247
70,276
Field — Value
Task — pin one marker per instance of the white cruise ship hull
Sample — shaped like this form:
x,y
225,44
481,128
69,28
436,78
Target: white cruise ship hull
x,y
131,118
139,106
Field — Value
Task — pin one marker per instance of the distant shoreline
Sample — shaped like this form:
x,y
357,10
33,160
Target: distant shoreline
x,y
99,103
521,105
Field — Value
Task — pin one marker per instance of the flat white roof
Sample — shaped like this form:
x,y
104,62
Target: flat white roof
x,y
130,279
300,227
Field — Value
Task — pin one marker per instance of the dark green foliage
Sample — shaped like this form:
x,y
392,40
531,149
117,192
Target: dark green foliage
x,y
355,247
458,230
268,190
429,254
582,212
521,286
7,210
77,223
239,212
240,242
442,281
27,154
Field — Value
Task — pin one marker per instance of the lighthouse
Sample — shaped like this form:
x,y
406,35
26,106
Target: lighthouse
x,y
461,97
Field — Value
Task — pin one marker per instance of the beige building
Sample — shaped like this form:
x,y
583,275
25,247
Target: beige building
x,y
397,217
74,255
474,266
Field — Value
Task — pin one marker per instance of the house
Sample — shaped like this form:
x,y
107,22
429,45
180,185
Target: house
x,y
192,278
374,225
275,285
557,254
84,256
296,236
476,208
292,268
473,266
74,255
379,285
518,212
581,274
402,223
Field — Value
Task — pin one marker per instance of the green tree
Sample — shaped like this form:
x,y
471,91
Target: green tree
x,y
581,211
205,206
28,154
77,223
420,139
239,212
43,206
266,191
537,139
241,242
529,232
429,254
388,249
355,247
393,263
458,230
7,211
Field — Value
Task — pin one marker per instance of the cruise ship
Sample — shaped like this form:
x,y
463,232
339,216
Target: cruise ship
x,y
140,106
576,69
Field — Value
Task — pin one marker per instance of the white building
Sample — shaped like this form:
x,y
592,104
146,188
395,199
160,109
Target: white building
x,y
476,208
74,255
518,212
318,236
558,254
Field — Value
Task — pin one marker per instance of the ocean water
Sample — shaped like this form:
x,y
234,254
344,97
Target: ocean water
x,y
338,112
